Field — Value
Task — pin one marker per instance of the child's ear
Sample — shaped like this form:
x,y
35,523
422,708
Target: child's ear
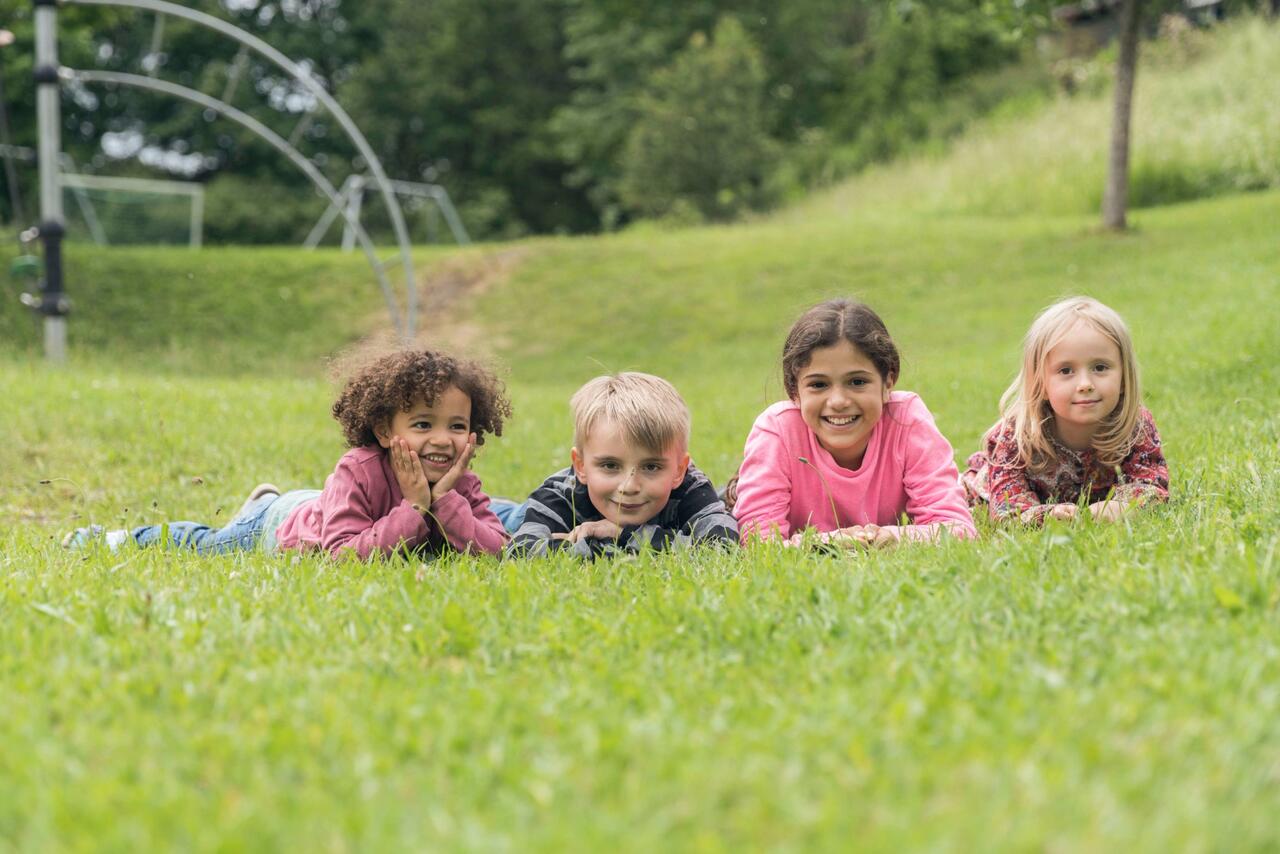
x,y
383,432
681,470
888,386
579,465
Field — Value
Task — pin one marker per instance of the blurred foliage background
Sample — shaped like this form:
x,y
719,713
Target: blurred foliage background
x,y
542,116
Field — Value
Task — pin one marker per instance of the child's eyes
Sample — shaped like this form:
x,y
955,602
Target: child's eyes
x,y
1101,367
817,386
858,383
652,467
421,425
1064,371
459,427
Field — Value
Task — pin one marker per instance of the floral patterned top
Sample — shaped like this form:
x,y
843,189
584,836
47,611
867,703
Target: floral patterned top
x,y
997,478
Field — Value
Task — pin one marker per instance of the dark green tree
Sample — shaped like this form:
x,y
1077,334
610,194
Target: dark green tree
x,y
700,140
461,93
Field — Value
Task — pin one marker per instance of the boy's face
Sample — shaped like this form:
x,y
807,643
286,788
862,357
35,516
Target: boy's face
x,y
437,433
628,484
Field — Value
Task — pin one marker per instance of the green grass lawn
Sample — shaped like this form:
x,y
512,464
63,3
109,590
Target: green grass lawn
x,y
1085,687
1095,687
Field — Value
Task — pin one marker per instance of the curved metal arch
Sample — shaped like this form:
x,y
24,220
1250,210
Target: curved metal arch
x,y
297,73
248,121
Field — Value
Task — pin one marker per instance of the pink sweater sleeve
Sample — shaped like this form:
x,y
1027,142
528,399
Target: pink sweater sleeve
x,y
764,485
935,499
347,517
465,518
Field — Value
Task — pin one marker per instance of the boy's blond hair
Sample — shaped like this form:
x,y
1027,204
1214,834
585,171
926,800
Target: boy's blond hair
x,y
1026,401
648,410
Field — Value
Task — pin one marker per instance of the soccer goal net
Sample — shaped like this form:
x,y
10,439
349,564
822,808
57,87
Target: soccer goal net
x,y
119,211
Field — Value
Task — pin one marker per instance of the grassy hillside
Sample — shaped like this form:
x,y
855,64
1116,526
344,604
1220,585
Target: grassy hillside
x,y
1081,687
1204,123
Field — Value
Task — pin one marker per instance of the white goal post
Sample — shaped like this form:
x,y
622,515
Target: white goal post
x,y
192,190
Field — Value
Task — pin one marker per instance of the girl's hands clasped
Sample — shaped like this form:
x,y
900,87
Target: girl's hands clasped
x,y
867,536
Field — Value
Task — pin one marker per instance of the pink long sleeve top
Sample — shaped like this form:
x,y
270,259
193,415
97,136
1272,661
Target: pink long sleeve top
x,y
909,467
362,510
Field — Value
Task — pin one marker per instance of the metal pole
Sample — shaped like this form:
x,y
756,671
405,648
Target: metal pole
x,y
53,301
355,200
197,220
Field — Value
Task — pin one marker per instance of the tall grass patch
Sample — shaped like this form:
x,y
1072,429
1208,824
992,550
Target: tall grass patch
x,y
1204,124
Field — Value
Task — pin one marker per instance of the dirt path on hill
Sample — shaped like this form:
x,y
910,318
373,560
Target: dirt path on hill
x,y
448,293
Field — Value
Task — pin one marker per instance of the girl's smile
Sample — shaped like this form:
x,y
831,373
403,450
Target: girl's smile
x,y
436,433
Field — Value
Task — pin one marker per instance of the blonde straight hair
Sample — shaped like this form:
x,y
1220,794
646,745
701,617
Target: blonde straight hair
x,y
1026,401
648,410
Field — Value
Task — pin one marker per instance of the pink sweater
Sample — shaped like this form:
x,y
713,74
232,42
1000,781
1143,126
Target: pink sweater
x,y
908,468
361,509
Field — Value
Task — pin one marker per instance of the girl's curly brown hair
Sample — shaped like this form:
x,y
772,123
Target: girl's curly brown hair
x,y
392,383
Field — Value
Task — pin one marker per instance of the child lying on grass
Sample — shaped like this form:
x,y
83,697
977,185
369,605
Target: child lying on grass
x,y
631,485
846,456
1074,431
412,420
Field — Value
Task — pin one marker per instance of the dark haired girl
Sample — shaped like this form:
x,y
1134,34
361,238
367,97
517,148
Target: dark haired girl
x,y
846,454
412,421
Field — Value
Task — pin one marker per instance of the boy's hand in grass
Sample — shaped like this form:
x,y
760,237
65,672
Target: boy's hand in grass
x,y
409,474
1108,511
446,483
601,529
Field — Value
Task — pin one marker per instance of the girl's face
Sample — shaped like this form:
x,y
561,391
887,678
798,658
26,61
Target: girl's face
x,y
841,397
1083,382
436,432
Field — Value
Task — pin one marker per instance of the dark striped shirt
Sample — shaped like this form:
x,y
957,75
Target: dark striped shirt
x,y
694,515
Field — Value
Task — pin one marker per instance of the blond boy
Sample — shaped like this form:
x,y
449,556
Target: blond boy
x,y
631,485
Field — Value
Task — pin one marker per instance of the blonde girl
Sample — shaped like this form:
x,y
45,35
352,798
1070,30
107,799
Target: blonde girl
x,y
1074,433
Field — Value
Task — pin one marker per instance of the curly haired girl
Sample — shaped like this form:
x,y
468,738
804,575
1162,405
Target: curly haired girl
x,y
412,421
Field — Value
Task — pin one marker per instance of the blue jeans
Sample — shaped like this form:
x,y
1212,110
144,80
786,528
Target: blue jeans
x,y
243,533
511,513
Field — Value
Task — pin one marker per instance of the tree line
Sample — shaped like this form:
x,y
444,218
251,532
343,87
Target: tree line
x,y
538,116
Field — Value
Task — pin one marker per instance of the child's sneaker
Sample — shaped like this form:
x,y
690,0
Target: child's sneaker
x,y
257,492
83,537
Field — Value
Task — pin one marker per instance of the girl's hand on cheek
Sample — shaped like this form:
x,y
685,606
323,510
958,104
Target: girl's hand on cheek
x,y
450,478
409,474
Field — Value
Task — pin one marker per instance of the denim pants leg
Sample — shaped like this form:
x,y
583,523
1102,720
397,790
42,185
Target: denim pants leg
x,y
240,534
510,513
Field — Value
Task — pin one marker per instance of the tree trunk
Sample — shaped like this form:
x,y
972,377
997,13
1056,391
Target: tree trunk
x,y
1115,200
